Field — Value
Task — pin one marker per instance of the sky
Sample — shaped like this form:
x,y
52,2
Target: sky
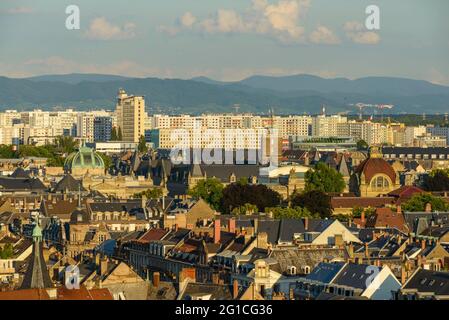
x,y
226,39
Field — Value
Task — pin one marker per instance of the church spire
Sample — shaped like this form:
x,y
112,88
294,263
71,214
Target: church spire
x,y
36,276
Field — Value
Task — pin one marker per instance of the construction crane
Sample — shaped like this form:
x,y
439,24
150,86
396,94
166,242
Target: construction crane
x,y
381,107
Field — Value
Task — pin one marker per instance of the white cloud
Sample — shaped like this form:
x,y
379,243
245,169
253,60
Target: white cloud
x,y
358,34
20,10
324,35
188,20
101,29
281,20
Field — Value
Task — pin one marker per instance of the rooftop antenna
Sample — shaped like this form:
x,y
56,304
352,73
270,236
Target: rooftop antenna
x,y
323,110
236,107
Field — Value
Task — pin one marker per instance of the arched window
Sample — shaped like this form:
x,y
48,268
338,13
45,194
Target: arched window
x,y
380,183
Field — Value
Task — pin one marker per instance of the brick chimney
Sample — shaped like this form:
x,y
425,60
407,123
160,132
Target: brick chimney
x,y
362,218
398,209
217,230
231,225
156,279
235,289
428,207
403,275
306,223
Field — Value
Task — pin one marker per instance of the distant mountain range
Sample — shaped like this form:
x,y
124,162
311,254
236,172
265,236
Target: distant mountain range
x,y
289,94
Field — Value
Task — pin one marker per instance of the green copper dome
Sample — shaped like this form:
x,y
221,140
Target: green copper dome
x,y
84,158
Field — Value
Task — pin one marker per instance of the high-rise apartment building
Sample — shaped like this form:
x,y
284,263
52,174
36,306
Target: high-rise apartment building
x,y
327,126
102,129
131,116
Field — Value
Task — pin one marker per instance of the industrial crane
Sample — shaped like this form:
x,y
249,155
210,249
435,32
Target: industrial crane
x,y
381,107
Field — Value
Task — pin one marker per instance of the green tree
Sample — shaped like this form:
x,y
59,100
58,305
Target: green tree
x,y
7,152
290,213
325,179
106,159
155,193
114,136
317,202
119,134
438,180
236,195
66,144
419,201
142,146
210,189
247,208
7,252
362,145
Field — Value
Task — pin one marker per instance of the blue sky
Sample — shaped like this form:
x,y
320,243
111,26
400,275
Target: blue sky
x,y
226,40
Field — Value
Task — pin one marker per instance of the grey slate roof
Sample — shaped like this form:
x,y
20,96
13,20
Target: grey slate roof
x,y
355,275
69,183
429,281
21,184
36,276
325,272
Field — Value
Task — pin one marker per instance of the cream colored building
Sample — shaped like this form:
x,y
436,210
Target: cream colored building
x,y
131,116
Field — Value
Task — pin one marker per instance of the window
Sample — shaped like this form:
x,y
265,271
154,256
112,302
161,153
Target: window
x,y
380,183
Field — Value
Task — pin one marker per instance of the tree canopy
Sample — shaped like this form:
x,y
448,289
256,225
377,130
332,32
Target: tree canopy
x,y
142,146
290,213
315,201
419,201
210,189
438,180
362,145
324,178
155,193
237,195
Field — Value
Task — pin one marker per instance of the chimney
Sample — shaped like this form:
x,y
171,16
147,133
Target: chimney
x,y
217,230
428,207
176,227
103,266
156,279
215,278
398,209
235,289
403,275
256,226
306,223
362,218
366,250
351,251
292,294
231,225
423,244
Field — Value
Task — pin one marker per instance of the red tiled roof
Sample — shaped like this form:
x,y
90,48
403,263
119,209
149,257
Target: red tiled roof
x,y
27,294
153,235
372,166
361,202
84,294
405,192
387,218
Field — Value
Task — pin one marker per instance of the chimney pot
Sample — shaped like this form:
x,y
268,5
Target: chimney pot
x,y
217,230
156,279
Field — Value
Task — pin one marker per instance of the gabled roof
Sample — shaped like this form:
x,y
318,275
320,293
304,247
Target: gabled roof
x,y
385,217
20,173
405,192
325,272
21,184
429,281
356,275
69,183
